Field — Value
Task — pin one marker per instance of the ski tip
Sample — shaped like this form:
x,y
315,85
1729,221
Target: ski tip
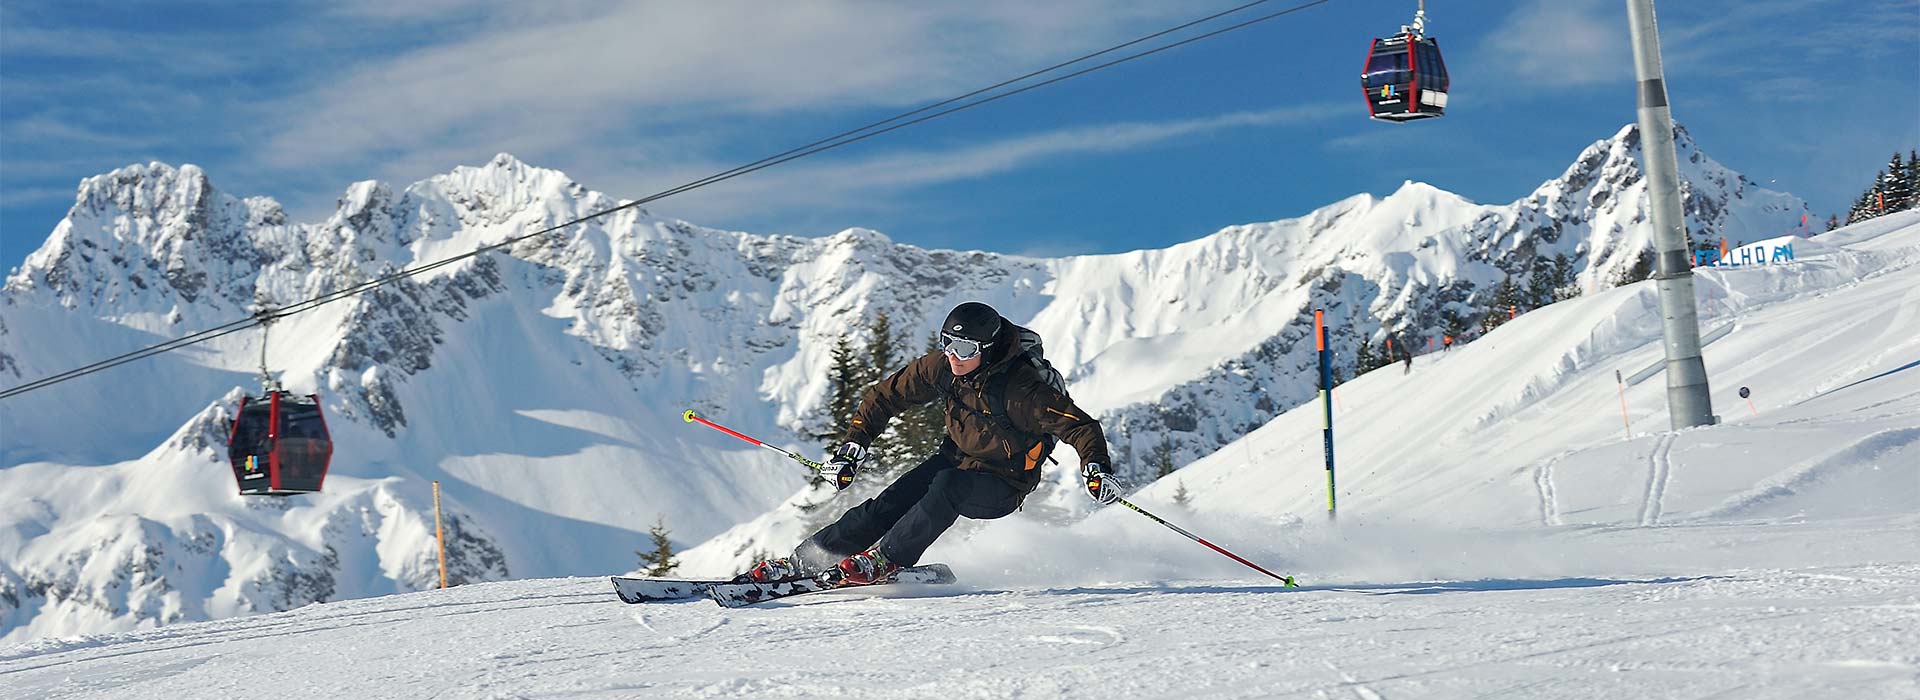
x,y
688,415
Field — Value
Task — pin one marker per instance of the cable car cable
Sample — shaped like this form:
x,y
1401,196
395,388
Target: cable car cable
x,y
826,144
770,162
829,143
143,353
943,103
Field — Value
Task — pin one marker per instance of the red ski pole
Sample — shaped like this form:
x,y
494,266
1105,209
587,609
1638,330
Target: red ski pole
x,y
1176,528
692,417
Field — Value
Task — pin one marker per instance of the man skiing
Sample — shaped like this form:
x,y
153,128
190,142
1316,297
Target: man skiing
x,y
1004,407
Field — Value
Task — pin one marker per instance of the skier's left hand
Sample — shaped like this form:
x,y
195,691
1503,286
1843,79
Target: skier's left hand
x,y
1101,484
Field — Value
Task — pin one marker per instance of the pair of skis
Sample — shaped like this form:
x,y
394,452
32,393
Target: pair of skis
x,y
735,594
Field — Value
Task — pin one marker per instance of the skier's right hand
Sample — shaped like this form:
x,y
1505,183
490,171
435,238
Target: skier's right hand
x,y
844,465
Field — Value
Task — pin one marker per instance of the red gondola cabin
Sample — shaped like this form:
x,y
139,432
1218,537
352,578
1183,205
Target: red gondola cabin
x,y
279,445
1405,78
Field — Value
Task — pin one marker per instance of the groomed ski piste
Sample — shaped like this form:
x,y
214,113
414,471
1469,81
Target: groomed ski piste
x,y
1503,531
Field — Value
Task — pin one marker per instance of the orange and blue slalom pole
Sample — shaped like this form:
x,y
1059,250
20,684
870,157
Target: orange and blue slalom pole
x,y
1326,404
693,417
1288,580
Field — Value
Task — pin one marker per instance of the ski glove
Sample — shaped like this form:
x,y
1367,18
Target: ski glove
x,y
1102,485
844,465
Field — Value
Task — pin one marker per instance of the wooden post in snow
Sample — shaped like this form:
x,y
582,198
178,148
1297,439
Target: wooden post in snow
x,y
439,535
1622,383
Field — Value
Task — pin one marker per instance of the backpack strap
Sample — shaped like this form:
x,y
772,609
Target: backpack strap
x,y
997,408
996,413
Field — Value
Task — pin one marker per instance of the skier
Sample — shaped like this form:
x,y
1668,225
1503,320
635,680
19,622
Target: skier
x,y
1409,353
1004,406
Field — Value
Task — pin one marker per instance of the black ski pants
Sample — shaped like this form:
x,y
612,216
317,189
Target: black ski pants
x,y
911,513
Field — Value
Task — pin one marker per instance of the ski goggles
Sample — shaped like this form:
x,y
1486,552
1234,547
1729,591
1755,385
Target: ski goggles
x,y
962,348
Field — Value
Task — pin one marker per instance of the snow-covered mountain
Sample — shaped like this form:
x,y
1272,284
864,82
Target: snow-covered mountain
x,y
1197,344
543,386
1501,534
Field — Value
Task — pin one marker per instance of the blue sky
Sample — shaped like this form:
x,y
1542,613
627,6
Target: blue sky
x,y
297,100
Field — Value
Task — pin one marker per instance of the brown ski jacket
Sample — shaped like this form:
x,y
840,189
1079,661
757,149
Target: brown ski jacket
x,y
1032,405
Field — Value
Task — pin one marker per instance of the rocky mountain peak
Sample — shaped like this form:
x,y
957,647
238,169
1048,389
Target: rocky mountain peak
x,y
143,231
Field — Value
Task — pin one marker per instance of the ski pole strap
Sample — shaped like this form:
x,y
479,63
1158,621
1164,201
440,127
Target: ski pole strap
x,y
1288,580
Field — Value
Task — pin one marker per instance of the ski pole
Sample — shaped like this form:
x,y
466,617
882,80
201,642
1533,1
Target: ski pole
x,y
691,417
1176,528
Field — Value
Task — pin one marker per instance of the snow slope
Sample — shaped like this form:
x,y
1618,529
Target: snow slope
x,y
542,386
1501,533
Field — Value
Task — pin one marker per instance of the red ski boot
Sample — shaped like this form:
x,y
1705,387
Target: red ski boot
x,y
866,567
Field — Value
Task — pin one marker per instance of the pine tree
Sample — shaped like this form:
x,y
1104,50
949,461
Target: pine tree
x,y
1507,300
1511,294
1455,327
1540,285
919,430
1566,281
882,347
845,388
1833,221
1363,358
659,561
852,373
1896,185
883,359
1862,208
1163,455
1913,179
1180,496
1641,270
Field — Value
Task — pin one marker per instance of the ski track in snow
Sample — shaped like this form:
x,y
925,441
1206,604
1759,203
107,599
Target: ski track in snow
x,y
1659,471
1549,500
1359,689
1813,633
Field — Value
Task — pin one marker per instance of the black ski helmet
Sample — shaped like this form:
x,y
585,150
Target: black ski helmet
x,y
973,321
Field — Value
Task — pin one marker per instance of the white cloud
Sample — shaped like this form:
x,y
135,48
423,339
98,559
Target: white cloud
x,y
12,196
187,54
843,183
1781,40
44,128
629,98
1557,44
670,67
